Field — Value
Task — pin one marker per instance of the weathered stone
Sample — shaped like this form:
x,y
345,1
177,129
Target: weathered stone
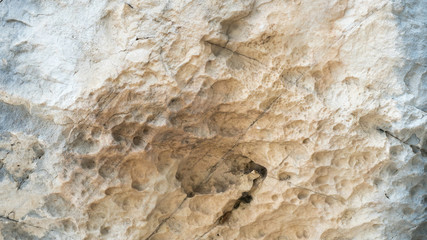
x,y
236,119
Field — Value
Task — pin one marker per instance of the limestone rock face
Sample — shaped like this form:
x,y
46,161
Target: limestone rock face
x,y
195,119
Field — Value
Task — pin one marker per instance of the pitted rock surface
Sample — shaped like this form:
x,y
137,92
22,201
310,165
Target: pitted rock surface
x,y
194,119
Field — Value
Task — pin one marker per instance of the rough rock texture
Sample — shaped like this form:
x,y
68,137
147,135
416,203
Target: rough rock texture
x,y
220,119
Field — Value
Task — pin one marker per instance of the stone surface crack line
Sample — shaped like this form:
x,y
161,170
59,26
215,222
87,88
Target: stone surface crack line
x,y
235,52
387,133
8,219
166,219
4,218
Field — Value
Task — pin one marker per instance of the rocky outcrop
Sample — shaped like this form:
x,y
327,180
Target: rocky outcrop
x,y
243,119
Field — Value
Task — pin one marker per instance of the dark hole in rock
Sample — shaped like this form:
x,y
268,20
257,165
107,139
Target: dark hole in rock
x,y
137,186
38,151
178,176
262,171
225,217
252,166
116,137
137,140
284,176
175,104
246,197
248,168
105,230
190,194
414,149
302,196
105,171
87,163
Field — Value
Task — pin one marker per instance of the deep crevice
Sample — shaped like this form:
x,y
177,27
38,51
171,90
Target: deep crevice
x,y
246,197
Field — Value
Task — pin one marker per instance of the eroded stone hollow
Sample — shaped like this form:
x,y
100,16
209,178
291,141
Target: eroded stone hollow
x,y
249,119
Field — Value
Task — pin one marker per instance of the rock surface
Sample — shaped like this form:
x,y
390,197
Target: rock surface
x,y
231,119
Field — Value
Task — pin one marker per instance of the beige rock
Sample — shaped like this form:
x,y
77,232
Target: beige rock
x,y
243,119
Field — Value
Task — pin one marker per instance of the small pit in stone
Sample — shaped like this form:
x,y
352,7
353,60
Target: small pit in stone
x,y
87,163
137,186
284,176
190,194
302,195
175,104
104,230
137,140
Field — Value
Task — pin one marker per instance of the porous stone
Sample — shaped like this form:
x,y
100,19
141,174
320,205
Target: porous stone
x,y
194,119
